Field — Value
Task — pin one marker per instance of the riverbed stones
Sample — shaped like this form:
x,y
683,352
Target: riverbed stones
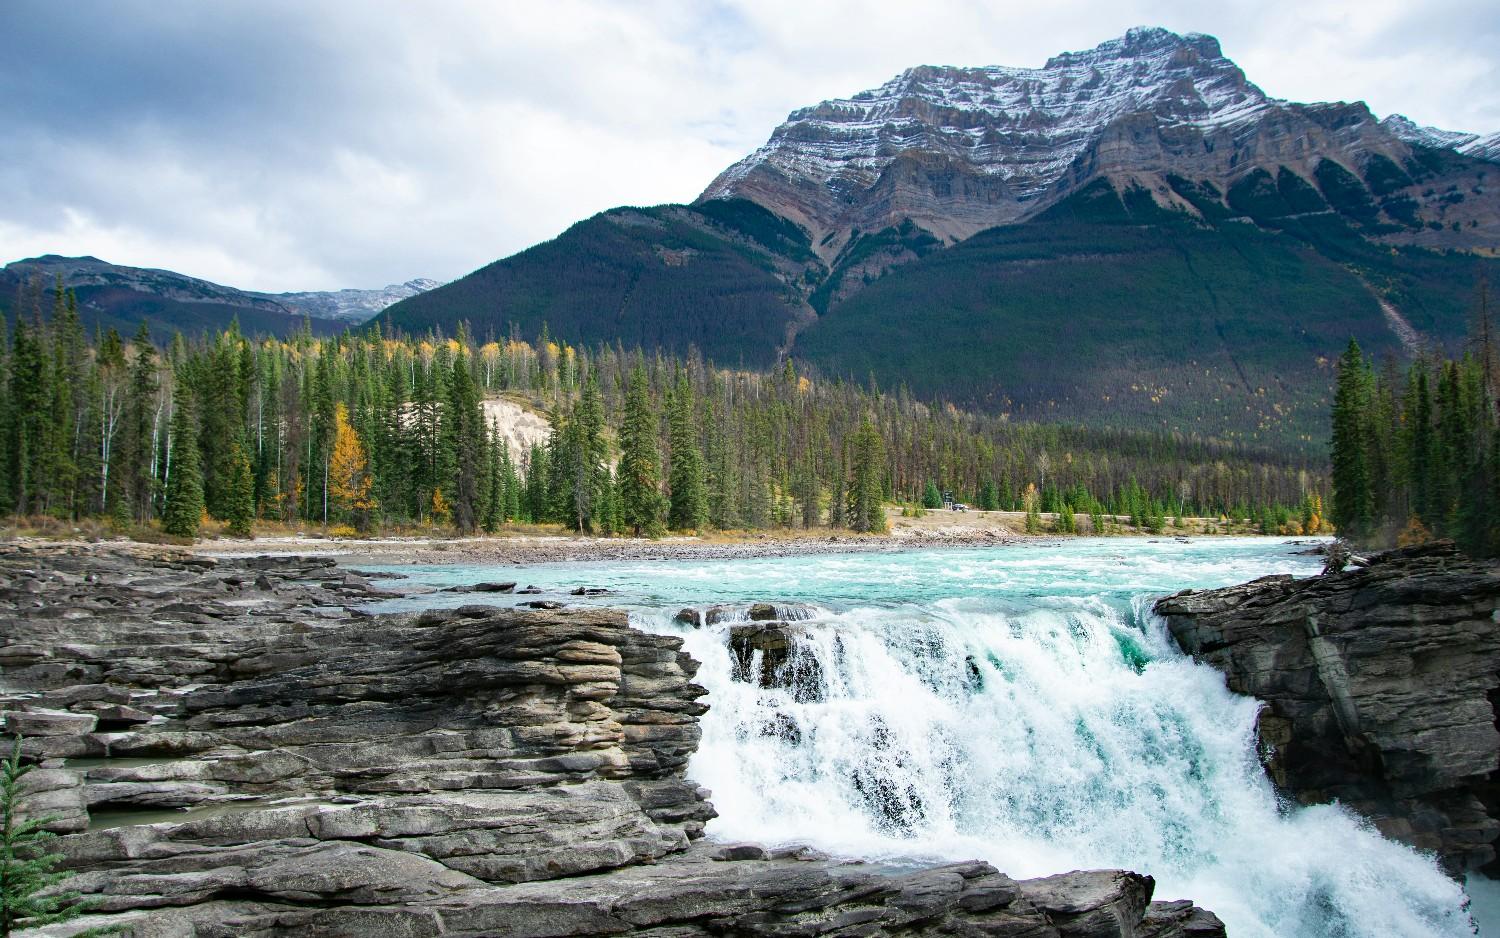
x,y
485,771
1380,685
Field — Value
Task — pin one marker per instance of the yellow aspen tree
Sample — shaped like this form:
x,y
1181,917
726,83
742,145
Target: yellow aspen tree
x,y
349,471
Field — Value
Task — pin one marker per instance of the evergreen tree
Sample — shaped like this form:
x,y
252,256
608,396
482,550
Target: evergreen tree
x,y
931,496
641,503
26,868
494,489
866,509
689,496
184,505
1353,502
30,429
464,442
134,480
240,504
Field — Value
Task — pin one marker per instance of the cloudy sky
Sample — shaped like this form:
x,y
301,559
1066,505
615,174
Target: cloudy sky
x,y
296,144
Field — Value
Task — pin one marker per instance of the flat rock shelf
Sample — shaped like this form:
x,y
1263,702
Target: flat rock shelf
x,y
233,747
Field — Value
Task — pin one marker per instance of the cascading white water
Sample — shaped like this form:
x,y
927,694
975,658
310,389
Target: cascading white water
x,y
1022,706
1059,735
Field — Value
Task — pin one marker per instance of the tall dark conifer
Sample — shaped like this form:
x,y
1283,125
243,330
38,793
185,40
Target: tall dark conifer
x,y
1353,504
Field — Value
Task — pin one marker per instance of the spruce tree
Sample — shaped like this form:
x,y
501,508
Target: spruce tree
x,y
639,477
689,507
866,508
184,505
240,492
1353,502
26,868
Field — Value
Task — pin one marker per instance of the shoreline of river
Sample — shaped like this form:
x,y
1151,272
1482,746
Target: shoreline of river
x,y
538,549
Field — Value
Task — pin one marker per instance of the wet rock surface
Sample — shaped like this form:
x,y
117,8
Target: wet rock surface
x,y
233,747
1380,685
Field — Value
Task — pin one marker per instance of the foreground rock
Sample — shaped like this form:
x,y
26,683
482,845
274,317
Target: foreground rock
x,y
234,748
1380,686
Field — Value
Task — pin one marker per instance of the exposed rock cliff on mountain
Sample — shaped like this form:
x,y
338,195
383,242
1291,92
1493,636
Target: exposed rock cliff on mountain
x,y
1380,684
478,771
1133,235
957,150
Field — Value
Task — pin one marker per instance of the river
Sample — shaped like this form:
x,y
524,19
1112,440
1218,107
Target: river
x,y
1018,704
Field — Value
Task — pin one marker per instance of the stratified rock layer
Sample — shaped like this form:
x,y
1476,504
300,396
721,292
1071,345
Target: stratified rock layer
x,y
479,771
1380,686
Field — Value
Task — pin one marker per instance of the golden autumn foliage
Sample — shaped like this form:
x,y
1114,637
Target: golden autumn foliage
x,y
1414,533
349,469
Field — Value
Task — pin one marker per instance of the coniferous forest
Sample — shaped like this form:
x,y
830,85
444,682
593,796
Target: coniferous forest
x,y
1416,453
374,432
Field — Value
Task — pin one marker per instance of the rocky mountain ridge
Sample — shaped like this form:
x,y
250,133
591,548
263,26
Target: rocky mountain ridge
x,y
958,150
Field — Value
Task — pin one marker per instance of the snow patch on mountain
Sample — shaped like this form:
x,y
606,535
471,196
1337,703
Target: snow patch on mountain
x,y
1025,125
1408,130
354,305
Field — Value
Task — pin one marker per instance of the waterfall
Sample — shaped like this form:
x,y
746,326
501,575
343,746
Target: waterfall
x,y
1020,705
1042,734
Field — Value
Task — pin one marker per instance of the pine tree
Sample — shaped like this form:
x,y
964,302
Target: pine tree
x,y
494,488
1353,502
132,472
465,442
240,496
639,476
689,496
866,508
931,496
30,427
26,868
184,506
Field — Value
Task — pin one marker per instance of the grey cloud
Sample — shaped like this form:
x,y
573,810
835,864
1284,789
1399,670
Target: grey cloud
x,y
295,145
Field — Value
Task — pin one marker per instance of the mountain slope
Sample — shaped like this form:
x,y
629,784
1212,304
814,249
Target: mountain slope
x,y
1108,314
726,278
119,297
1130,235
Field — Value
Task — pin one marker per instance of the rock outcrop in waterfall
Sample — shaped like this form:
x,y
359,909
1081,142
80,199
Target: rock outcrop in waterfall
x,y
1380,684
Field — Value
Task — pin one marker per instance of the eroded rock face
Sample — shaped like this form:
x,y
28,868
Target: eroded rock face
x,y
959,150
476,771
1380,686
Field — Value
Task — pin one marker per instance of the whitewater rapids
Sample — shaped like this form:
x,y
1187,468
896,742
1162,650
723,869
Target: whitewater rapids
x,y
1023,706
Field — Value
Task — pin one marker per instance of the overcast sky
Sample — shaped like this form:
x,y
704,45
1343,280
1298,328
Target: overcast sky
x,y
314,145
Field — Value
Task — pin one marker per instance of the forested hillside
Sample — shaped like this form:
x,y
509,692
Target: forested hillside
x,y
723,278
1416,452
371,430
1115,311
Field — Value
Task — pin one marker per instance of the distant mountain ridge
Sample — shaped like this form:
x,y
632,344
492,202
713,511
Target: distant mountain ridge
x,y
118,296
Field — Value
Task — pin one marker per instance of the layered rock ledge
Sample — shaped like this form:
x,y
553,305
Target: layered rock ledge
x,y
234,747
1380,687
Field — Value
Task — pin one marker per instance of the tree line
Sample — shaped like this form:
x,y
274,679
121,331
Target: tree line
x,y
375,431
1416,453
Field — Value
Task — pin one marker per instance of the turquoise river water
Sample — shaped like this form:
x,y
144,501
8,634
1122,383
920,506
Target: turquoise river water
x,y
1018,704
